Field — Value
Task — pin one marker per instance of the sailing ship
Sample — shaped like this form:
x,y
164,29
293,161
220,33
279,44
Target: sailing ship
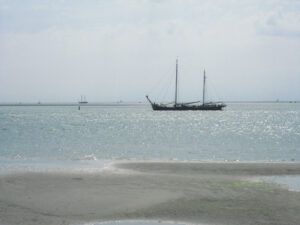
x,y
198,105
82,100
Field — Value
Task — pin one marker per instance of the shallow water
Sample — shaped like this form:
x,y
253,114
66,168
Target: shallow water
x,y
292,183
138,223
242,132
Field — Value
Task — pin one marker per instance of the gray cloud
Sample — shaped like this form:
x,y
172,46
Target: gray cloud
x,y
278,23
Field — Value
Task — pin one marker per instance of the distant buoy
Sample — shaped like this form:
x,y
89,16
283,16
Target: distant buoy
x,y
79,107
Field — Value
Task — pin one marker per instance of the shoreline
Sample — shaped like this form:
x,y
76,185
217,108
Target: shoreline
x,y
183,192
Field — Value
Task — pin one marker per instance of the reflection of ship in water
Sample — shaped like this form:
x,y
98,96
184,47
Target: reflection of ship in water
x,y
187,105
82,100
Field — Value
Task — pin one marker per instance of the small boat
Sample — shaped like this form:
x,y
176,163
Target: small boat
x,y
198,105
82,100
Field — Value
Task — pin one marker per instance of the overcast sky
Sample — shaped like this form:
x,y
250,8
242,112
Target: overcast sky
x,y
111,50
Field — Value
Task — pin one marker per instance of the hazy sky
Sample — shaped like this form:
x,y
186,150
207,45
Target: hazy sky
x,y
109,50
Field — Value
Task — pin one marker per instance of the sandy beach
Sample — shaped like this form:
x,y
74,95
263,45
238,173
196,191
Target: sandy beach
x,y
206,193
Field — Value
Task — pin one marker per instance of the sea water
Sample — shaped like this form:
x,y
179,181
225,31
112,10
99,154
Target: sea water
x,y
63,136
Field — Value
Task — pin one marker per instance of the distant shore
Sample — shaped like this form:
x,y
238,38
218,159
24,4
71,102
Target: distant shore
x,y
206,193
126,103
73,104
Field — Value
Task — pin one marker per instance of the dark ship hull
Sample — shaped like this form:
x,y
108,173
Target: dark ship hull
x,y
182,107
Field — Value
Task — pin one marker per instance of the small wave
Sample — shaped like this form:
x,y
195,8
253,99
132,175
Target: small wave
x,y
90,157
16,157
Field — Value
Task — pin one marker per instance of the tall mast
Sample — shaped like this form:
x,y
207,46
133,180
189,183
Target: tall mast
x,y
176,81
204,78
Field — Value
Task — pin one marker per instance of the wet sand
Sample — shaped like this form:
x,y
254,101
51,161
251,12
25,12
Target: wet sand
x,y
206,193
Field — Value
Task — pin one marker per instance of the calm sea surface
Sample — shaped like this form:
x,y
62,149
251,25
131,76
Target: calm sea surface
x,y
64,136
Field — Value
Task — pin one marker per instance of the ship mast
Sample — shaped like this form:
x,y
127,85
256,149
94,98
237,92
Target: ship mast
x,y
204,78
176,81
